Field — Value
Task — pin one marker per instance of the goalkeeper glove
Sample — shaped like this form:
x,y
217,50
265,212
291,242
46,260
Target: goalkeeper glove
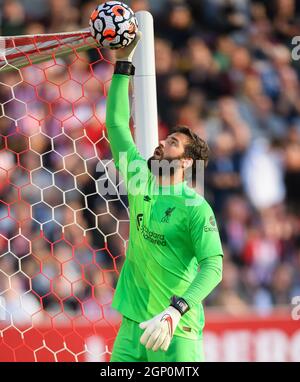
x,y
160,329
126,54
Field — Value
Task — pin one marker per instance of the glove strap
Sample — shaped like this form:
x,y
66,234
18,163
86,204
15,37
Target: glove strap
x,y
180,304
124,67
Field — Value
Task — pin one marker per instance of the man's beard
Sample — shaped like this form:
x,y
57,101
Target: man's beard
x,y
163,167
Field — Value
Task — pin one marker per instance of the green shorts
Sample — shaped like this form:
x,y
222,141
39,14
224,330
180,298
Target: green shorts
x,y
127,347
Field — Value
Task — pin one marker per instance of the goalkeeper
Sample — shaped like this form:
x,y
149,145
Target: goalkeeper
x,y
160,288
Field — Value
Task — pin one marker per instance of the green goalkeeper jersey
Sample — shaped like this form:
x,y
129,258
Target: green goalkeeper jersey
x,y
172,230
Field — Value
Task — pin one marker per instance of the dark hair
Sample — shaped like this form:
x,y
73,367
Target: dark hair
x,y
197,148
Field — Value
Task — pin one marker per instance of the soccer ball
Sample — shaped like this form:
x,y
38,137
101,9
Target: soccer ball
x,y
113,25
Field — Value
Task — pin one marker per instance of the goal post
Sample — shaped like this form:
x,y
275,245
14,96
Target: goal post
x,y
145,96
62,243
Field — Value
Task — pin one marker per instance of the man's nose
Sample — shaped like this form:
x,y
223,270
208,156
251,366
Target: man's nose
x,y
162,143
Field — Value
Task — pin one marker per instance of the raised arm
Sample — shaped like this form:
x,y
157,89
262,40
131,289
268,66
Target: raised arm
x,y
118,110
117,117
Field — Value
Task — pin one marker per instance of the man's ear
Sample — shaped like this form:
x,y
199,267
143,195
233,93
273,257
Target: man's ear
x,y
186,163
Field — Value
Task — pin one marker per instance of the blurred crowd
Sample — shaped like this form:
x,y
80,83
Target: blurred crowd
x,y
225,69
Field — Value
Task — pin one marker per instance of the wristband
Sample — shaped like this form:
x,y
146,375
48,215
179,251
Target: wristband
x,y
124,67
180,304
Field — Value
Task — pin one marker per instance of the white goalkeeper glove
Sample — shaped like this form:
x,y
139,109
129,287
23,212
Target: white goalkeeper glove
x,y
160,329
126,54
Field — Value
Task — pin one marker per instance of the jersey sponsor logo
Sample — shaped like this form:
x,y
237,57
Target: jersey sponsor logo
x,y
212,227
167,215
153,237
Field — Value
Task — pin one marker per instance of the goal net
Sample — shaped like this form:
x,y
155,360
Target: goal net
x,y
62,242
